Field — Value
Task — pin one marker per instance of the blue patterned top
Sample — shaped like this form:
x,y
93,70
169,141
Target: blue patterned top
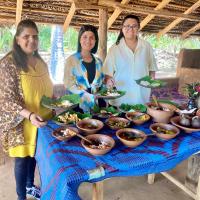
x,y
76,81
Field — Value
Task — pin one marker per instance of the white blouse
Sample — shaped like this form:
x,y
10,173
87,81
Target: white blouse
x,y
126,66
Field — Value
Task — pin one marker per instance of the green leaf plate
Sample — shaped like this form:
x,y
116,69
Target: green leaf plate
x,y
111,111
57,103
79,115
102,94
150,83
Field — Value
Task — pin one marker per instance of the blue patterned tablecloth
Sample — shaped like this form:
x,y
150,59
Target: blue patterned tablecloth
x,y
64,166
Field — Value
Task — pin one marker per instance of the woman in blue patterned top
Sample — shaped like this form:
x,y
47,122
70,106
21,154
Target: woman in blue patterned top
x,y
83,70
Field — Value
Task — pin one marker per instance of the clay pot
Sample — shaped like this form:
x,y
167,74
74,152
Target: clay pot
x,y
196,122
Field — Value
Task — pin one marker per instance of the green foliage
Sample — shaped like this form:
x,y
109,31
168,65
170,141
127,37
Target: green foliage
x,y
172,44
6,39
169,43
70,40
112,37
44,37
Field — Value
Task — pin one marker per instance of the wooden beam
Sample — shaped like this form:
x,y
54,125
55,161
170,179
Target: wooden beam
x,y
69,17
146,10
147,19
116,13
18,11
190,31
178,20
103,23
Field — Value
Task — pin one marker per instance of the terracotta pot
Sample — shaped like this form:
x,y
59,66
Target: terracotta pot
x,y
161,115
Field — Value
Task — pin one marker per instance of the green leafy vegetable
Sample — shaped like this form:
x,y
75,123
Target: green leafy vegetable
x,y
109,109
136,107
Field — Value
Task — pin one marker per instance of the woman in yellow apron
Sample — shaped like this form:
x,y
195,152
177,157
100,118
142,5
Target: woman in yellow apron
x,y
24,80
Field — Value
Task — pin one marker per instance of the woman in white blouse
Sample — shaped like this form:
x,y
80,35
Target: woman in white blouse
x,y
129,59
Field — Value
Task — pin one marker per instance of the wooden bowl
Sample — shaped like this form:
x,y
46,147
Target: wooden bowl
x,y
124,135
137,118
161,115
116,123
166,134
175,121
89,126
102,139
62,137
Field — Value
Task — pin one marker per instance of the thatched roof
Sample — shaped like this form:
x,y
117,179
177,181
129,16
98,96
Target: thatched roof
x,y
157,16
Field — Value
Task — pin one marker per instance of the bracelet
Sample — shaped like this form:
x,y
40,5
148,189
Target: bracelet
x,y
29,117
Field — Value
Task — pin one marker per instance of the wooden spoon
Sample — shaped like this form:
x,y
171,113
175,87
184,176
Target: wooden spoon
x,y
89,141
155,101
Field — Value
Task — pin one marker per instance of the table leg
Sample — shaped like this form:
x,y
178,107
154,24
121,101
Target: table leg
x,y
97,191
151,178
198,190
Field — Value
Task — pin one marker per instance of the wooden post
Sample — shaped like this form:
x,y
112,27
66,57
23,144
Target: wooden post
x,y
97,191
103,24
2,156
193,172
151,178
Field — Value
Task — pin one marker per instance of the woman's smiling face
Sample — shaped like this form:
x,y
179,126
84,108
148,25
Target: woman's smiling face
x,y
28,40
130,28
87,41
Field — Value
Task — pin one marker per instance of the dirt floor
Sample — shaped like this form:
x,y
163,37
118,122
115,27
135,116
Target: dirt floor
x,y
123,188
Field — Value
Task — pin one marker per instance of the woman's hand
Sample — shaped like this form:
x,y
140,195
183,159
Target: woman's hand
x,y
36,120
109,81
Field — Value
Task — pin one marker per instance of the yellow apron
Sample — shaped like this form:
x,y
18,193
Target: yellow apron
x,y
35,84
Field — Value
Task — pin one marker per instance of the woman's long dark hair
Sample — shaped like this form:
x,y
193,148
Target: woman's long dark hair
x,y
19,56
92,29
121,35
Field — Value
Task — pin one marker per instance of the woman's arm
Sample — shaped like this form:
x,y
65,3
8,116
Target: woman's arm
x,y
35,119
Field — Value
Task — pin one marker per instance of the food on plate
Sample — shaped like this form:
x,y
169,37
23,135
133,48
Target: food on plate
x,y
105,112
66,101
147,81
110,93
68,118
